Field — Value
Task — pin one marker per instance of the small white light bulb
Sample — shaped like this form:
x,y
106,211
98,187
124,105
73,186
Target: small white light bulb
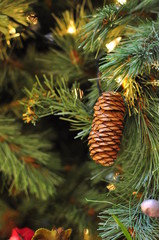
x,y
110,46
71,28
121,1
12,30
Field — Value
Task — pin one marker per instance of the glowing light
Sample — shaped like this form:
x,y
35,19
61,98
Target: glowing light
x,y
16,35
8,43
71,28
124,83
138,195
121,1
110,46
119,80
32,18
86,231
111,187
12,30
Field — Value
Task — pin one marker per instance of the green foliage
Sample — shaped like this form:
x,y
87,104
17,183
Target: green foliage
x,y
123,228
111,22
69,60
138,174
14,10
11,14
148,5
55,97
19,72
132,69
143,227
66,58
136,55
69,208
95,32
25,161
132,62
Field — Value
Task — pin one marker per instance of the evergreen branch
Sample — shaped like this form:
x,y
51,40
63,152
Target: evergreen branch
x,y
10,9
140,227
57,98
139,148
71,199
95,32
76,211
148,5
136,55
12,15
145,149
126,233
66,58
132,62
16,72
25,163
68,61
111,21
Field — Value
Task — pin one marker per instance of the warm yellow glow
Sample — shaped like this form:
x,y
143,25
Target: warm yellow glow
x,y
8,43
32,18
119,80
111,187
121,1
71,28
17,35
110,46
139,195
12,30
86,231
124,83
134,193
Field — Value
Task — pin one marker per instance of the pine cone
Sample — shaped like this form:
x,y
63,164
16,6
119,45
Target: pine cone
x,y
107,126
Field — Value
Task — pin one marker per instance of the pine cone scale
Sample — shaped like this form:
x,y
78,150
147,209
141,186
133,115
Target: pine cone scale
x,y
107,126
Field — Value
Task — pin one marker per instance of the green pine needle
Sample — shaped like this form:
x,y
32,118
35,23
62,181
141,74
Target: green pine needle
x,y
123,228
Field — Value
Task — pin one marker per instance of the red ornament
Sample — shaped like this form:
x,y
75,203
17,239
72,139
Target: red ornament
x,y
21,233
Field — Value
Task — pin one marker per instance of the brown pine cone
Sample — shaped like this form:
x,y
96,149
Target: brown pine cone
x,y
107,127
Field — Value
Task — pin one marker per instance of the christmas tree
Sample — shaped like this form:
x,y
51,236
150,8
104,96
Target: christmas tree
x,y
79,119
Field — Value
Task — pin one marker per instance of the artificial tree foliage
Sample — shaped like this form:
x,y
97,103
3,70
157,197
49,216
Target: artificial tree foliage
x,y
52,81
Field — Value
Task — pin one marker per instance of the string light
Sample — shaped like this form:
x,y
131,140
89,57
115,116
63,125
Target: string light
x,y
12,30
110,46
71,28
138,195
122,81
32,18
119,80
86,234
86,231
121,1
8,43
111,187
